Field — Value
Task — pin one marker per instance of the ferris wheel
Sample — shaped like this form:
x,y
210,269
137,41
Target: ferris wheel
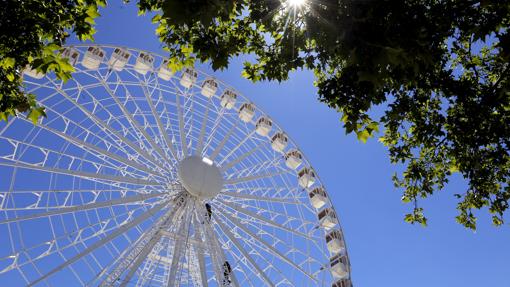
x,y
144,177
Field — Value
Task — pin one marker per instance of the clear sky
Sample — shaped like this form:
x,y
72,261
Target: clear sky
x,y
384,250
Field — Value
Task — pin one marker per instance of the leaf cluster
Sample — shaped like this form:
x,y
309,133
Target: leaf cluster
x,y
438,67
33,32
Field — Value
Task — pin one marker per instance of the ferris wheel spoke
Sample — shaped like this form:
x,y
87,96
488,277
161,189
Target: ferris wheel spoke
x,y
78,208
85,175
237,180
233,150
199,252
144,86
270,247
214,128
242,157
262,219
105,127
97,151
81,236
20,147
275,214
253,246
161,129
138,253
132,121
246,196
269,164
182,134
225,139
123,138
200,142
177,253
261,274
120,230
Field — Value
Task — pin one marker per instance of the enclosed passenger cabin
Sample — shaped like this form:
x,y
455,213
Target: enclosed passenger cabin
x,y
93,57
188,78
119,59
263,126
342,283
338,265
164,72
306,177
335,242
246,112
228,99
327,218
72,55
279,141
318,197
293,159
29,71
144,63
209,88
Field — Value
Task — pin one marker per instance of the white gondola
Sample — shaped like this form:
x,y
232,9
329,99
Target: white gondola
x,y
338,265
32,72
327,218
164,72
342,283
293,159
335,242
228,99
209,88
318,197
188,78
279,142
93,58
306,177
246,112
144,63
119,59
263,126
72,55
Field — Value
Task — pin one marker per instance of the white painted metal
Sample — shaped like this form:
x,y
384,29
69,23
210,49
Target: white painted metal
x,y
279,141
246,112
188,78
72,55
209,88
164,72
200,176
93,57
86,194
335,242
119,59
306,177
318,197
31,72
144,63
338,267
293,159
264,126
228,99
327,218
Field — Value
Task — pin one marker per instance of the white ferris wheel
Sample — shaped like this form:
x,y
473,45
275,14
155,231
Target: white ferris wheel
x,y
142,177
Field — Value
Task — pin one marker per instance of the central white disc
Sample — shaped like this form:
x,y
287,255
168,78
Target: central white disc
x,y
200,177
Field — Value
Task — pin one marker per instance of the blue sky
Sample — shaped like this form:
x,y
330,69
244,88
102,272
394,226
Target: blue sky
x,y
384,250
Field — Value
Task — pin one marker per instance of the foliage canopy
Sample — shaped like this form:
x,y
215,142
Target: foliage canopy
x,y
33,31
440,69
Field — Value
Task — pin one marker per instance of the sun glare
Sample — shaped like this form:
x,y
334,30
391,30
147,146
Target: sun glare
x,y
296,3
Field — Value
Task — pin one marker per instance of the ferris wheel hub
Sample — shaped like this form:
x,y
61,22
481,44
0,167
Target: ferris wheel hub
x,y
200,177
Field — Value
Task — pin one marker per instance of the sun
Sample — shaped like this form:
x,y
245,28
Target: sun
x,y
296,3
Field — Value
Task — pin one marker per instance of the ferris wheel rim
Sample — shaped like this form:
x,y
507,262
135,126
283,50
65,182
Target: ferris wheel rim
x,y
306,162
